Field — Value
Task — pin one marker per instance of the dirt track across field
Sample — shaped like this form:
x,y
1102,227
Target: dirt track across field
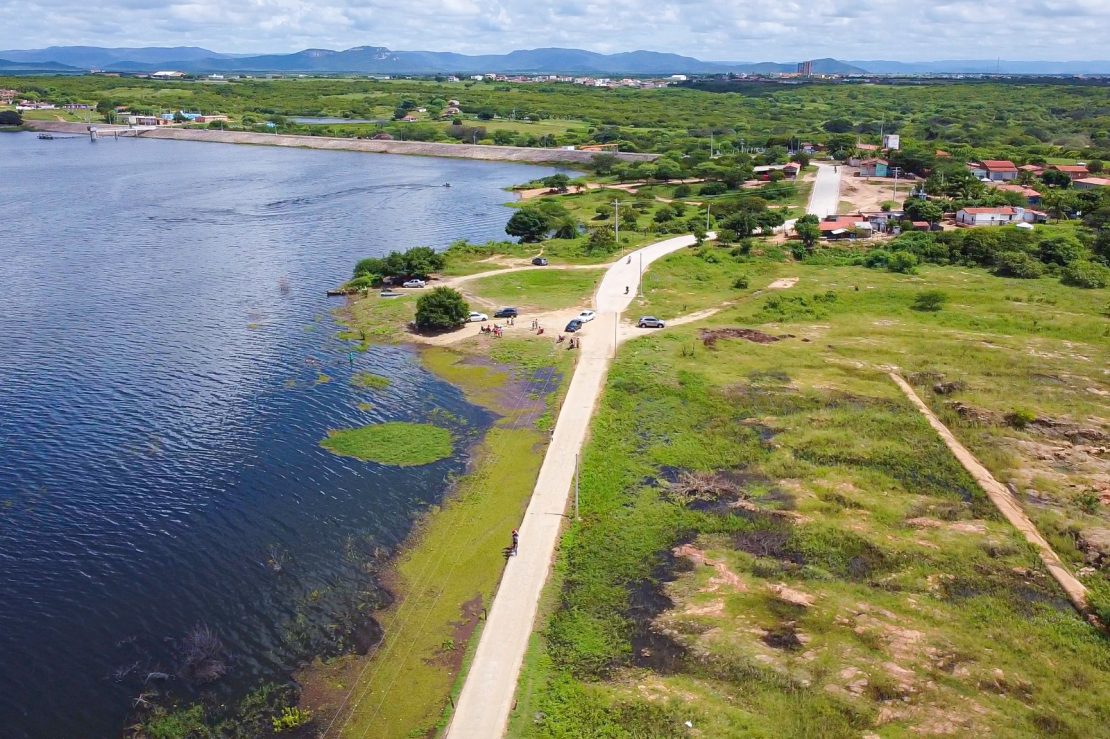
x,y
1004,502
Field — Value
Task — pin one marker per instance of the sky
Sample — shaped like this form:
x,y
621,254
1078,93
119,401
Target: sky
x,y
725,30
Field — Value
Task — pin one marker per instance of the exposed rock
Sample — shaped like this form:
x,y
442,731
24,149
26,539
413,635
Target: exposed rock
x,y
790,595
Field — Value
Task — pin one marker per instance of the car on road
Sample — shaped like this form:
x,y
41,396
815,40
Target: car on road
x,y
413,283
650,322
506,313
539,261
586,316
475,317
574,325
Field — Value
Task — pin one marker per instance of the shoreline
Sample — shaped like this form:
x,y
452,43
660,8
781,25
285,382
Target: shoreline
x,y
441,579
478,152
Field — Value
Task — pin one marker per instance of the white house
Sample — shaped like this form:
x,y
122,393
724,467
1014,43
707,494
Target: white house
x,y
1003,216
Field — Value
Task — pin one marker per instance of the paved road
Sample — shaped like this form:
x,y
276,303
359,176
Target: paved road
x,y
825,196
483,708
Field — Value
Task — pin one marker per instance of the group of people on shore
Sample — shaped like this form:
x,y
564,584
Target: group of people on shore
x,y
495,330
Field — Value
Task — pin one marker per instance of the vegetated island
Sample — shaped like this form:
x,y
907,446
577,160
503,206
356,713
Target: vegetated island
x,y
398,444
369,381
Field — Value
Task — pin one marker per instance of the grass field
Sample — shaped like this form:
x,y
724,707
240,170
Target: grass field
x,y
774,543
539,289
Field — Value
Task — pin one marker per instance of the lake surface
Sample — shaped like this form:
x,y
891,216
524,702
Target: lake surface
x,y
163,340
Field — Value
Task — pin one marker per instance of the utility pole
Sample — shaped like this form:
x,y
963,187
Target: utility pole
x,y
897,171
707,207
617,222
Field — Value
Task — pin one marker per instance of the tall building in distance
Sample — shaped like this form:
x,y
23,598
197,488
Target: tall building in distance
x,y
805,69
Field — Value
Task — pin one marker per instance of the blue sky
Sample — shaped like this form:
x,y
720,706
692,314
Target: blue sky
x,y
752,30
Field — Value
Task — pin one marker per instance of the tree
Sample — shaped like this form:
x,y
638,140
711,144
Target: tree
x,y
1018,264
808,229
628,219
556,182
1056,178
602,164
1095,166
442,309
838,125
528,224
1087,275
602,239
10,118
1061,249
923,210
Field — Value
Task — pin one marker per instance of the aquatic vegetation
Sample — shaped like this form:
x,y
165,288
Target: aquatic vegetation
x,y
398,444
322,379
369,381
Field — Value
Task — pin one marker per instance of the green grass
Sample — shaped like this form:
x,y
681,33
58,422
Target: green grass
x,y
397,444
450,566
369,381
541,288
919,588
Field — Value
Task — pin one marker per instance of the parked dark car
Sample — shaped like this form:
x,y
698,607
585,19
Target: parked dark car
x,y
650,322
574,325
539,262
506,313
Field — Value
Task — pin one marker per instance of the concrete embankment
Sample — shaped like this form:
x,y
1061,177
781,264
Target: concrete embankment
x,y
418,148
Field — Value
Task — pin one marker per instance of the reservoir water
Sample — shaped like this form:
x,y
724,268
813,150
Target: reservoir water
x,y
168,365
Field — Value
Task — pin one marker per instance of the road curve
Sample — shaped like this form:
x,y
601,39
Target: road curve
x,y
483,708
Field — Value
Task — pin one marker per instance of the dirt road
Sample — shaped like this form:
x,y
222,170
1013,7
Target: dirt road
x,y
487,696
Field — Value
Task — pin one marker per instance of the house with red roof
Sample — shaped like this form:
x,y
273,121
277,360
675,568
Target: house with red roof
x,y
1032,197
998,170
1075,171
845,226
1090,183
1004,216
1034,169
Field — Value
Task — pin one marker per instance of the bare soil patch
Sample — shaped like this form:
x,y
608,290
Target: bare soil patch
x,y
709,337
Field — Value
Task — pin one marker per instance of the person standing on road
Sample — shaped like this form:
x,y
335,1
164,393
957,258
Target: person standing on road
x,y
516,541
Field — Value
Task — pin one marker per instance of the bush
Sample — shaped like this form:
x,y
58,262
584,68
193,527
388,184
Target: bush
x,y
1018,264
929,301
902,261
441,309
713,188
876,258
682,191
291,718
1062,249
741,283
1086,275
10,118
1019,418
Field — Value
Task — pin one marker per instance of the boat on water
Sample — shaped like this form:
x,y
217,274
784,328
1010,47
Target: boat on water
x,y
47,136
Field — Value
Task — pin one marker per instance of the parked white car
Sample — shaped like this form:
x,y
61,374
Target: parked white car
x,y
476,317
413,283
586,316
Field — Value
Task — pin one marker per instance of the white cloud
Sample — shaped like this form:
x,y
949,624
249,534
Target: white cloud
x,y
755,30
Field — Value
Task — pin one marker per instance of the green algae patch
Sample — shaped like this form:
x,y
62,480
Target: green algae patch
x,y
369,381
398,444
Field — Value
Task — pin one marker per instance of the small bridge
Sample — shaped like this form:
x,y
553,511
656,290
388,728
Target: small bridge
x,y
96,132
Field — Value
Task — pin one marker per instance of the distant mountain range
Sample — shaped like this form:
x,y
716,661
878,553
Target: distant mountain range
x,y
380,60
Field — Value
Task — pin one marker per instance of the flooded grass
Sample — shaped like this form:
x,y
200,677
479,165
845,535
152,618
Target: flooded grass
x,y
397,444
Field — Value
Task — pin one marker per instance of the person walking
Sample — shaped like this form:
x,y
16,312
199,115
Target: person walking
x,y
516,541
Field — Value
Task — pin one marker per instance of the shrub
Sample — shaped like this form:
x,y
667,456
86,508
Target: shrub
x,y
291,718
876,258
902,261
929,301
682,191
1017,264
713,188
741,283
1086,275
1062,249
1019,418
441,309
